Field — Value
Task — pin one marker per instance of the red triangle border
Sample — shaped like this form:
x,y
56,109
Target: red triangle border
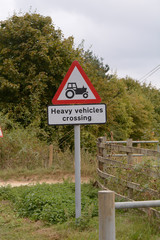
x,y
1,133
76,101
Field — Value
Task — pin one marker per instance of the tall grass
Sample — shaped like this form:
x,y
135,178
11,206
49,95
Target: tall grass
x,y
18,148
21,151
64,160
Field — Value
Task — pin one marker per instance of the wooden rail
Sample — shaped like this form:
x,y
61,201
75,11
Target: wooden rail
x,y
106,163
119,164
129,184
126,149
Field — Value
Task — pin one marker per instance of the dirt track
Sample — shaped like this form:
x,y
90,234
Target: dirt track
x,y
17,183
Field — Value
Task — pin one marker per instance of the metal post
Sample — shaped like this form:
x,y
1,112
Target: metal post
x,y
106,215
137,204
77,170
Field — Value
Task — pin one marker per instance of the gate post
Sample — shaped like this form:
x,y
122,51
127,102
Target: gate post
x,y
106,215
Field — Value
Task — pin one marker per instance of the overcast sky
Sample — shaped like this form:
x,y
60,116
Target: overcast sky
x,y
125,33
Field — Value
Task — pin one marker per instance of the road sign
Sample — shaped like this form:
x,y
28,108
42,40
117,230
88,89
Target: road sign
x,y
77,114
76,88
1,133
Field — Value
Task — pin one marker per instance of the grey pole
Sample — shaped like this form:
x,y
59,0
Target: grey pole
x,y
77,170
137,204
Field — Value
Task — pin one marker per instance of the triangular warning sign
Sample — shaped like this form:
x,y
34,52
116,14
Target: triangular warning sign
x,y
76,88
1,134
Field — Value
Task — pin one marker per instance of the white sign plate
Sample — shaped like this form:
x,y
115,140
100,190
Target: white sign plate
x,y
77,114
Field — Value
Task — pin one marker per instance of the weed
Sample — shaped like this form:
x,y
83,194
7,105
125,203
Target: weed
x,y
53,203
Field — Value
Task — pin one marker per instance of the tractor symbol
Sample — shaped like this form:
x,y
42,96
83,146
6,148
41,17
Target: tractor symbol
x,y
72,89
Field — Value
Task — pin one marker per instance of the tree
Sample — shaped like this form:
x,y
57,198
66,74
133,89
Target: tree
x,y
34,58
153,95
141,110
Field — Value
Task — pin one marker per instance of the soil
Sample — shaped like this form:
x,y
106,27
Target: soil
x,y
33,180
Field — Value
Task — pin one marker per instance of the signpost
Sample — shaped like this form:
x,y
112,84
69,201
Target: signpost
x,y
76,89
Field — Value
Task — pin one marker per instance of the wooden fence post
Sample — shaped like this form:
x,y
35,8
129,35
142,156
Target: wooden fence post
x,y
129,161
106,201
101,151
158,158
139,158
50,156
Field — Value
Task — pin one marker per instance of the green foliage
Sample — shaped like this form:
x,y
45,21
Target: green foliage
x,y
141,110
21,151
34,58
130,112
51,203
130,225
153,95
20,147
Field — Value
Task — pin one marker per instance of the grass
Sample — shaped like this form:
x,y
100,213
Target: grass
x,y
22,173
130,225
22,157
13,227
133,225
26,159
21,149
63,164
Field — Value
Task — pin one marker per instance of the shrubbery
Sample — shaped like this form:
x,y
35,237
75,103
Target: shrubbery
x,y
53,203
35,57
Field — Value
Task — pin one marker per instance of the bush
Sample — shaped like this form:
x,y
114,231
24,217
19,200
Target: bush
x,y
53,203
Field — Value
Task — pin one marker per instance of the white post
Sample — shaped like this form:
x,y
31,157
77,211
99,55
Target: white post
x,y
106,215
77,170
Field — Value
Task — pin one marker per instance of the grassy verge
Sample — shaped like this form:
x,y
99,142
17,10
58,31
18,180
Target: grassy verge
x,y
13,227
63,164
130,225
47,212
22,152
52,203
24,174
